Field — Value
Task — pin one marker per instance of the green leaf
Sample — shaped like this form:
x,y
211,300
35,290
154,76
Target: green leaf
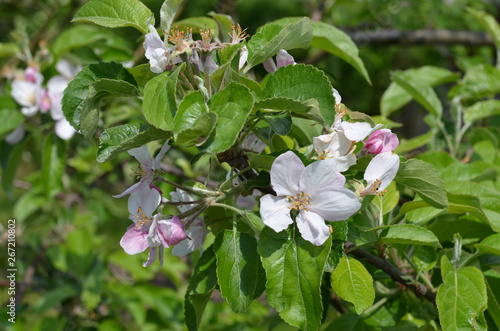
x,y
54,163
200,288
238,266
479,82
97,90
302,83
10,118
160,103
294,269
280,103
425,257
225,23
85,35
466,204
409,234
336,42
122,138
53,298
273,37
116,13
353,283
260,161
489,22
396,96
167,13
79,98
193,120
279,122
198,23
409,145
481,110
8,49
423,93
462,298
490,245
423,178
387,202
232,106
493,289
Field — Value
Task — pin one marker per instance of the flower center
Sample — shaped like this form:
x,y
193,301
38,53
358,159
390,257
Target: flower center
x,y
237,34
299,202
141,219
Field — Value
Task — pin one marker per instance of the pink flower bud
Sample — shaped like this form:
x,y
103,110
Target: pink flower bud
x,y
381,141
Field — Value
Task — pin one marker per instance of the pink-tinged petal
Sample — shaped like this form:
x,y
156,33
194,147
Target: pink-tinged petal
x,y
164,149
152,256
285,174
334,204
24,93
67,69
195,237
269,65
142,155
152,40
64,130
356,131
381,141
134,241
312,227
284,59
383,167
321,175
275,212
128,191
171,231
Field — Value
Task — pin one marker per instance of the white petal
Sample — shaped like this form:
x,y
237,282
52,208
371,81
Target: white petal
x,y
285,174
144,197
142,155
269,65
320,175
383,167
284,59
275,212
336,95
356,131
64,130
334,204
312,227
16,135
164,149
243,57
345,162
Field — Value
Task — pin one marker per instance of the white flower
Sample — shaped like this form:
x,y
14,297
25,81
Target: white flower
x,y
29,93
156,51
315,193
379,173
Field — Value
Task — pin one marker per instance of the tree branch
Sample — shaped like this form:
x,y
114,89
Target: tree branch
x,y
419,37
396,274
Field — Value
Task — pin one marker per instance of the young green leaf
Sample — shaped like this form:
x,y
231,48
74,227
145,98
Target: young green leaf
x,y
490,245
167,13
353,283
294,269
462,298
232,106
423,93
54,163
79,98
423,178
481,110
160,105
238,266
273,37
116,13
409,234
121,138
396,96
478,82
302,83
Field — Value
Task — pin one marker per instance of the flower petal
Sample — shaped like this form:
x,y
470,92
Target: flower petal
x,y
142,155
320,175
285,174
196,236
383,167
164,149
356,131
171,231
152,256
312,227
63,129
134,241
334,203
275,212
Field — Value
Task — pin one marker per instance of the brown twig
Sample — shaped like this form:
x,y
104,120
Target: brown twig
x,y
396,274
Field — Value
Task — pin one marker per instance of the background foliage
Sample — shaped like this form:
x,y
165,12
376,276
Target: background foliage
x,y
73,274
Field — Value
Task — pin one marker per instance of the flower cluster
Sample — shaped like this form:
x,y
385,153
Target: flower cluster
x,y
29,92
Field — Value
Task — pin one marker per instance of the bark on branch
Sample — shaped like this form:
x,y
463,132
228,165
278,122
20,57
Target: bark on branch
x,y
419,37
396,274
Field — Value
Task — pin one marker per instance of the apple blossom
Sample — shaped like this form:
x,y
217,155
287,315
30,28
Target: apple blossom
x,y
282,59
315,193
29,93
379,173
381,141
